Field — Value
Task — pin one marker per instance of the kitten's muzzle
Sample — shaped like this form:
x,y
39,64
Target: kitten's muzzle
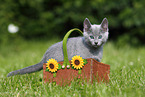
x,y
96,43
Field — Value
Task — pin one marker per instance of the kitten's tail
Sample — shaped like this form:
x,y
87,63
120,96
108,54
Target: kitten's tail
x,y
30,69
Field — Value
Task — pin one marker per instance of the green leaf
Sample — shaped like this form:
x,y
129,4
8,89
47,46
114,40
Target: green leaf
x,y
54,74
72,67
54,83
80,71
47,69
85,61
59,67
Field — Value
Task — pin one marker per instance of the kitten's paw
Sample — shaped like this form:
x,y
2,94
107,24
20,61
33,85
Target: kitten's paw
x,y
97,59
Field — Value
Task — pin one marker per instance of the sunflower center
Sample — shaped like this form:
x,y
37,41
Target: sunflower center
x,y
51,66
77,62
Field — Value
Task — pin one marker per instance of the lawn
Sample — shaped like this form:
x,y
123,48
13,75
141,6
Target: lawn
x,y
127,74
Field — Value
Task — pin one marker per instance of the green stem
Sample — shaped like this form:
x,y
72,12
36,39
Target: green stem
x,y
66,60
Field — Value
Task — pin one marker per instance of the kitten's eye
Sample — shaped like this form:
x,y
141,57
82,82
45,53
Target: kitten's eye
x,y
100,37
92,37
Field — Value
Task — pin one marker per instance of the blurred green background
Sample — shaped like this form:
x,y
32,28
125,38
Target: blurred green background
x,y
42,23
39,19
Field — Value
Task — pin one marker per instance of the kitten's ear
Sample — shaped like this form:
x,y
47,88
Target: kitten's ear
x,y
87,25
104,24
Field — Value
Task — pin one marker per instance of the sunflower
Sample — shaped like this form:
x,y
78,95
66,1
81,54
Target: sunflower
x,y
52,65
77,62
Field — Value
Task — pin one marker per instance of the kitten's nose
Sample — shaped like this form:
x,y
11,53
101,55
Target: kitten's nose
x,y
96,43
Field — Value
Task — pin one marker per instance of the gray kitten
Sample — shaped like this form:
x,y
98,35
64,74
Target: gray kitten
x,y
88,46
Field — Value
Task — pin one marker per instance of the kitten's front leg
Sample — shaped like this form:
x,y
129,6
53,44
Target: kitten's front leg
x,y
97,58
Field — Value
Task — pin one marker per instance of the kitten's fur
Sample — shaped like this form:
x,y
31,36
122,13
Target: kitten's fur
x,y
88,46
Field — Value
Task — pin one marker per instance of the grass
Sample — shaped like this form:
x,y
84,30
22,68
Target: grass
x,y
127,74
